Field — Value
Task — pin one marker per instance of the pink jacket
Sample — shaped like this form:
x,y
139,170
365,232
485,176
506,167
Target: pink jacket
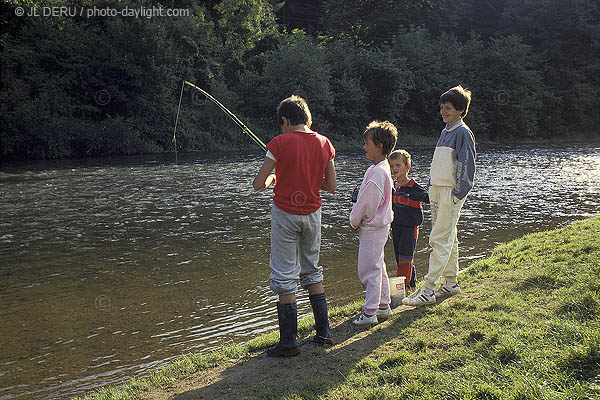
x,y
373,208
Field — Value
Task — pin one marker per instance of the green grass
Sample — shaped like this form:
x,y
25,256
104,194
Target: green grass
x,y
526,326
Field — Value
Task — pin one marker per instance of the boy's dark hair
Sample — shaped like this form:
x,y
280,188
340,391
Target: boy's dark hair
x,y
382,133
459,97
295,110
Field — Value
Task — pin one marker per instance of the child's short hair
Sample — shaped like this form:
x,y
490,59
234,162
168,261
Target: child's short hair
x,y
382,133
401,155
459,97
295,110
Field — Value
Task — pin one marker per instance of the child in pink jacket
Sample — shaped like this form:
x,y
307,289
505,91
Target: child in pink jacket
x,y
372,215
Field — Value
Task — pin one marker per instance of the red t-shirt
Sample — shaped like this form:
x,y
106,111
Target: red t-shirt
x,y
302,158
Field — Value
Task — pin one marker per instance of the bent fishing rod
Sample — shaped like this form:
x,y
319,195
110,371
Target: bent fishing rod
x,y
231,115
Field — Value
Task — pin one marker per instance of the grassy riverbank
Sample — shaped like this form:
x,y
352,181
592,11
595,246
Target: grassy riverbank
x,y
527,326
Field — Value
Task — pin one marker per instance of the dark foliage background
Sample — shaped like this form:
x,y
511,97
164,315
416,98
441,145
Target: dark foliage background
x,y
74,86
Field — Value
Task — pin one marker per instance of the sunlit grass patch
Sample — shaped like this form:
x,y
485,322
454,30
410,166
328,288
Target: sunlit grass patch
x,y
524,328
542,281
394,360
581,306
582,359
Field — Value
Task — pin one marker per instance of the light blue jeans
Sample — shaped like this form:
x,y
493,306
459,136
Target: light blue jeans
x,y
295,246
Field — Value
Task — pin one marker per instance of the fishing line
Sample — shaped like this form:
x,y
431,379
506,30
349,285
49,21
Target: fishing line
x,y
177,120
231,115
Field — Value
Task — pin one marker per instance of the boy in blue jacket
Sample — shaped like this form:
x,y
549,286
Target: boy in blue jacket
x,y
451,179
407,199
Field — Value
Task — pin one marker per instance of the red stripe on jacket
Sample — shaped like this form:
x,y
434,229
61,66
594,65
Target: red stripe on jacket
x,y
406,201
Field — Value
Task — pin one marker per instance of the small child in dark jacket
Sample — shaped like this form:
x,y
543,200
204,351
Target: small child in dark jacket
x,y
407,198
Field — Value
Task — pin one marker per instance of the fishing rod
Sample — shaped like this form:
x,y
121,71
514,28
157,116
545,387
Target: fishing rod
x,y
231,115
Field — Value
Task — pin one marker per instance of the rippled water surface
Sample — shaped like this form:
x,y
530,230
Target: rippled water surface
x,y
110,268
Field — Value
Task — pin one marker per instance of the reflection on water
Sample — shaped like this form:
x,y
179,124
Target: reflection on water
x,y
112,268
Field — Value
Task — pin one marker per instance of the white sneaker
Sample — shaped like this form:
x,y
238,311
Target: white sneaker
x,y
448,289
364,320
422,297
384,314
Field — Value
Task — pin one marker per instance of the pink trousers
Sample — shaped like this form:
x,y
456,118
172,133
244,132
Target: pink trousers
x,y
371,268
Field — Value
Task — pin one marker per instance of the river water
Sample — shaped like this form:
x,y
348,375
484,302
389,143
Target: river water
x,y
112,267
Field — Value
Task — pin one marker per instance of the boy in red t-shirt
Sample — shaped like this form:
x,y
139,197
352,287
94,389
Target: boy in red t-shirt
x,y
303,162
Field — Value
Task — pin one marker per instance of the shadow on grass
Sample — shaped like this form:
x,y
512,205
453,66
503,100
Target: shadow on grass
x,y
312,373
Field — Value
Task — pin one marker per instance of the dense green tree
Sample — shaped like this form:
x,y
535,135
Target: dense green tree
x,y
386,81
349,108
502,73
566,35
481,16
241,24
436,65
300,14
65,80
507,86
297,66
78,86
375,22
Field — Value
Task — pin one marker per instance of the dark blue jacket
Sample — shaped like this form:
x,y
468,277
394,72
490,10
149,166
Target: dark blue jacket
x,y
407,204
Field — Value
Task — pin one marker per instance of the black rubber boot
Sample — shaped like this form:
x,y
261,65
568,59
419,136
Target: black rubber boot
x,y
319,307
288,329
